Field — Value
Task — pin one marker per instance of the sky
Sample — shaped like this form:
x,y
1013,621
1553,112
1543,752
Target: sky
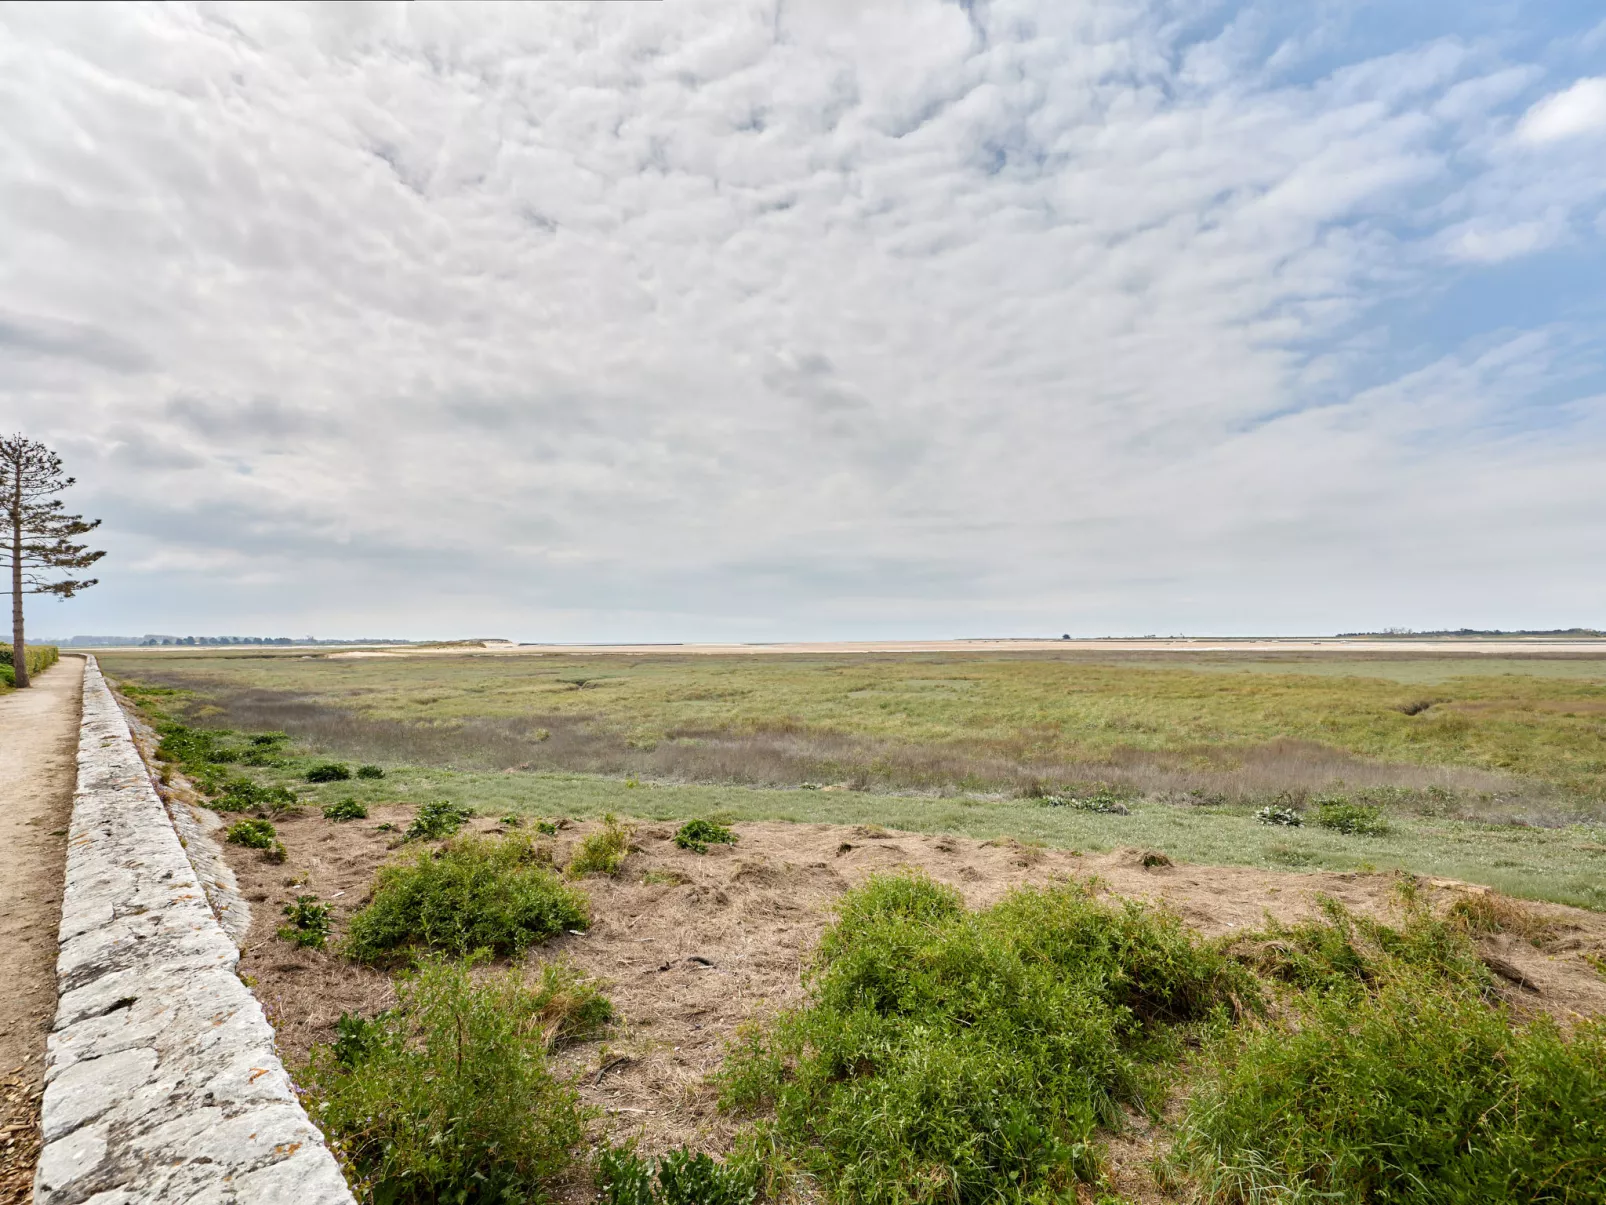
x,y
813,319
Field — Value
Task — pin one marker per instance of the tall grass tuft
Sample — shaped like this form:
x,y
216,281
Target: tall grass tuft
x,y
448,1096
952,1056
498,894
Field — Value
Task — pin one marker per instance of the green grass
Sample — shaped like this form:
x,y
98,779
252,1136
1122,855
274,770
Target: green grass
x,y
449,1096
1539,719
497,894
950,1056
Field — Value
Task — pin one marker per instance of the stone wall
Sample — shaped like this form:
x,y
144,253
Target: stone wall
x,y
162,1082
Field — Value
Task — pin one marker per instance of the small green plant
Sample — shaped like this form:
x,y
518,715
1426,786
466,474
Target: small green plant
x,y
1285,816
547,828
439,819
496,894
512,820
276,853
698,835
253,834
1102,800
449,1095
603,852
680,1177
370,771
1352,819
329,771
309,922
346,809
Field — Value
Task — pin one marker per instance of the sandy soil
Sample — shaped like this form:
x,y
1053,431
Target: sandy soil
x,y
39,739
719,939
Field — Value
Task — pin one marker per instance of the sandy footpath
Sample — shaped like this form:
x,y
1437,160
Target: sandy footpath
x,y
38,745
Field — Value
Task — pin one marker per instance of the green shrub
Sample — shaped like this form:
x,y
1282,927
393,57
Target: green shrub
x,y
448,1097
236,793
473,893
698,835
944,1055
547,828
1416,1092
346,809
439,819
1104,800
512,820
39,657
329,771
1356,819
1285,816
253,834
309,922
680,1177
603,852
370,772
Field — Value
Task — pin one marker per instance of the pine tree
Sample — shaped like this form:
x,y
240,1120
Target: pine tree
x,y
38,533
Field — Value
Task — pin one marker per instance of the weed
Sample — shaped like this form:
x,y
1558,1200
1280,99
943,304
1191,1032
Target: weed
x,y
309,922
512,820
698,835
569,1007
370,771
253,834
498,894
1285,816
969,1057
1102,799
346,809
276,853
603,852
679,1177
1353,819
448,1096
546,828
1494,913
329,771
438,819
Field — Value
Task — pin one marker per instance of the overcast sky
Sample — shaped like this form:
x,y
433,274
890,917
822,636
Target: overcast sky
x,y
814,318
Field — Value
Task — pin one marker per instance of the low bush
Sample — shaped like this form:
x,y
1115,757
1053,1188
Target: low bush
x,y
1288,817
1355,819
370,771
698,835
680,1177
39,658
1101,799
346,809
253,834
236,793
441,818
945,1055
496,894
449,1095
308,922
603,852
329,771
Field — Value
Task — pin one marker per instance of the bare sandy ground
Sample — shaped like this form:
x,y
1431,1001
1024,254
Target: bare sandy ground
x,y
38,745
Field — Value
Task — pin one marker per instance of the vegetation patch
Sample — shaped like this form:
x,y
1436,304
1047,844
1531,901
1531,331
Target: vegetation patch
x,y
1286,816
438,819
370,772
498,894
253,834
449,1097
946,1055
603,852
680,1177
1354,819
698,835
307,922
346,809
329,771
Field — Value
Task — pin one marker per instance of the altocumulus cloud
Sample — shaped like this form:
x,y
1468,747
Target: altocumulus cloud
x,y
767,320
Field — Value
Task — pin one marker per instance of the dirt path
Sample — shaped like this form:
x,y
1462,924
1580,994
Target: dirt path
x,y
38,747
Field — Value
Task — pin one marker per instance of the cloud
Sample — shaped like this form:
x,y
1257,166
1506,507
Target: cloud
x,y
1571,113
731,317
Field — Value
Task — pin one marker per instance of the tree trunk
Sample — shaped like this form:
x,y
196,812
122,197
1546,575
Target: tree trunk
x,y
19,651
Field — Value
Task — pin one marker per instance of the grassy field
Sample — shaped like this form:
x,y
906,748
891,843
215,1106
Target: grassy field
x,y
960,745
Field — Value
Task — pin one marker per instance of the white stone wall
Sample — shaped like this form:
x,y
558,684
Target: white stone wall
x,y
162,1083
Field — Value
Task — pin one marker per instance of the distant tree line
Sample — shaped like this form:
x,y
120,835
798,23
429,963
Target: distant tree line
x,y
1480,632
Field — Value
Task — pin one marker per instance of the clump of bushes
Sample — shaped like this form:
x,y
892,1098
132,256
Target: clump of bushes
x,y
449,1095
253,834
329,771
1104,800
970,1056
603,852
346,809
475,893
1354,819
698,835
370,771
39,657
1286,816
680,1177
1393,1076
442,818
308,922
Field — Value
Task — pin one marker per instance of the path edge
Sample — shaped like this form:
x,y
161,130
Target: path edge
x,y
162,1081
